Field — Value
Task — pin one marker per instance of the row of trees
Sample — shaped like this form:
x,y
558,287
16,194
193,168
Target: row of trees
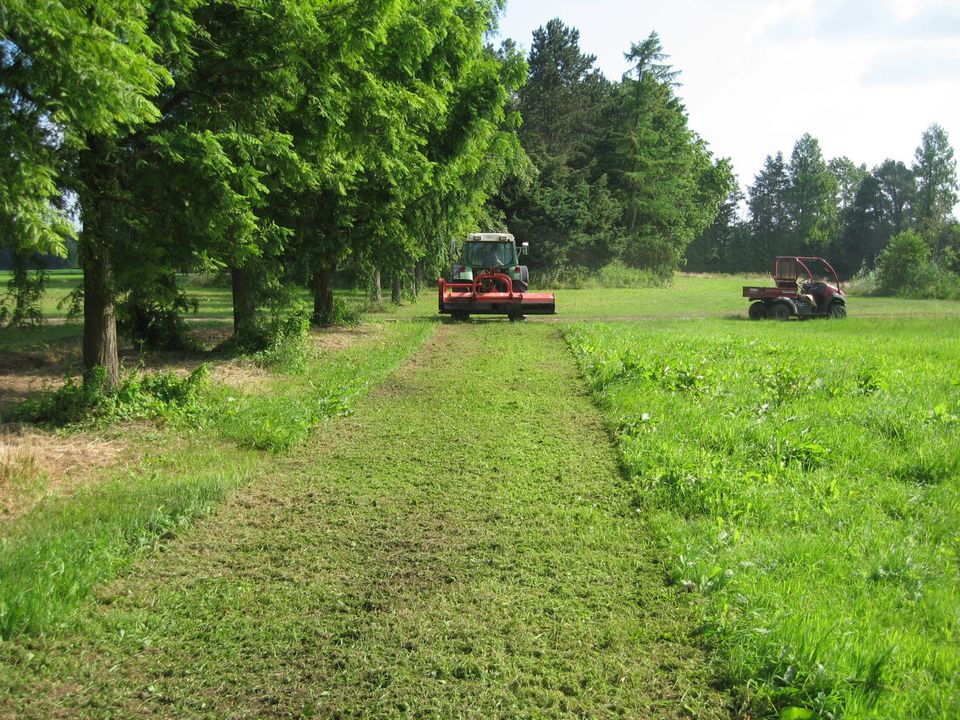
x,y
277,139
809,206
617,174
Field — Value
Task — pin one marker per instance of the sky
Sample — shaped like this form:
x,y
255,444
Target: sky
x,y
865,78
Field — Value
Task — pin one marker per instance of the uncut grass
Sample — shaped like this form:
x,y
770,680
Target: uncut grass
x,y
460,547
807,478
694,297
54,555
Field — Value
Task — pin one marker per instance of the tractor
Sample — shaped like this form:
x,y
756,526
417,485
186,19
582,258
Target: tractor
x,y
796,296
488,279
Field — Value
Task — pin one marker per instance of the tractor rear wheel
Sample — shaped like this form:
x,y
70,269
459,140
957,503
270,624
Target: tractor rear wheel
x,y
757,311
780,311
838,311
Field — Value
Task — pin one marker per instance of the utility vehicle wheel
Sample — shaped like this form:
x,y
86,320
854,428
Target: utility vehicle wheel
x,y
838,311
780,311
460,316
517,318
757,311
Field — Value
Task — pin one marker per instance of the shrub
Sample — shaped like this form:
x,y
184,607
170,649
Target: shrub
x,y
905,268
162,395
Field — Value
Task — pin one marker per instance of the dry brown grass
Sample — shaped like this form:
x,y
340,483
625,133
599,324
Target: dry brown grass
x,y
35,464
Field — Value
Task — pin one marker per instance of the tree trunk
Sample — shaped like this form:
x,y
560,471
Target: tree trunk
x,y
323,296
377,288
99,323
244,302
418,277
396,290
97,174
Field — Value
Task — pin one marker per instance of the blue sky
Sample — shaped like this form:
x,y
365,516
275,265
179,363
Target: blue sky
x,y
865,78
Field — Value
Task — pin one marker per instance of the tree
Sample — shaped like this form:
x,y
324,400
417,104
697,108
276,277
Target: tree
x,y
669,184
849,176
811,198
898,185
564,98
769,219
63,107
935,169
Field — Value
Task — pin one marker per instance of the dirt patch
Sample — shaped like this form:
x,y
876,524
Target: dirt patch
x,y
35,465
25,373
338,338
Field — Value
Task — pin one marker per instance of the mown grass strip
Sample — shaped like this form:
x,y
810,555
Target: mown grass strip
x,y
53,556
457,548
807,479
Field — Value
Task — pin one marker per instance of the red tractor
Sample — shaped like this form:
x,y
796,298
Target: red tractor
x,y
796,296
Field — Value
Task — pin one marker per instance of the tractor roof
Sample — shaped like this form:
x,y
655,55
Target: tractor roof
x,y
490,237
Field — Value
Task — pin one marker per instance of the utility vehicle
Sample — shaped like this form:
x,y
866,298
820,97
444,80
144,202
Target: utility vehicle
x,y
796,295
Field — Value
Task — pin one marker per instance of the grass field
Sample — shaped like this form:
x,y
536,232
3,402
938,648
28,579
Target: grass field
x,y
754,520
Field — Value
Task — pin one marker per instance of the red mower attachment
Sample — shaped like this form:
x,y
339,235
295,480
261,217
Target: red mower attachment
x,y
492,294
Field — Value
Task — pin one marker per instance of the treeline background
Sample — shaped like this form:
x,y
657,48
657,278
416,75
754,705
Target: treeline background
x,y
283,144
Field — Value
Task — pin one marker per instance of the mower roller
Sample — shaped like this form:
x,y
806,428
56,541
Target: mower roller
x,y
488,280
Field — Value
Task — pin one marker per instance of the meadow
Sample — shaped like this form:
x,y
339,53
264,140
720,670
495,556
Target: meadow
x,y
807,479
792,489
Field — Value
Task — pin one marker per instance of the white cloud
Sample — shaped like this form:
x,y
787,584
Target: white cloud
x,y
865,78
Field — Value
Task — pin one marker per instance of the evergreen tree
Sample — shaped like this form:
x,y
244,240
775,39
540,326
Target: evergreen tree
x,y
811,198
935,169
769,217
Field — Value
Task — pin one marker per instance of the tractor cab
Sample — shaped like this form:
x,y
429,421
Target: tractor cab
x,y
486,253
797,293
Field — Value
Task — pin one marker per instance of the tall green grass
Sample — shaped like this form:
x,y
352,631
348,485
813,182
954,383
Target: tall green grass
x,y
806,477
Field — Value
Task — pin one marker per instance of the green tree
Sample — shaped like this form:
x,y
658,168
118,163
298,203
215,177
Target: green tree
x,y
65,105
935,169
849,176
811,198
669,183
899,187
769,218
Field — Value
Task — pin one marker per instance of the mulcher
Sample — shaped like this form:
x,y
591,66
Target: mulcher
x,y
488,279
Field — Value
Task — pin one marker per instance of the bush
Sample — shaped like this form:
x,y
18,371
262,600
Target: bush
x,y
618,275
614,275
905,268
285,336
162,395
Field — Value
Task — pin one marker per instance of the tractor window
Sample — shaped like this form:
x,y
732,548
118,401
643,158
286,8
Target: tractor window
x,y
488,254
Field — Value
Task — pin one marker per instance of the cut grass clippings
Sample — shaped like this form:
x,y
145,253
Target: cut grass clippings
x,y
459,547
807,479
51,557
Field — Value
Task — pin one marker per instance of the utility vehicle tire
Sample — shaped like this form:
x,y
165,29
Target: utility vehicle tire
x,y
757,311
517,318
838,311
780,311
460,316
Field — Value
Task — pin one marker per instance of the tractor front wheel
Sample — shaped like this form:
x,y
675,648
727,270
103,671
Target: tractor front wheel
x,y
757,311
780,311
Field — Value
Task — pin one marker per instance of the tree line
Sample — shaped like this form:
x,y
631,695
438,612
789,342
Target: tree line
x,y
893,223
279,142
616,173
275,140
